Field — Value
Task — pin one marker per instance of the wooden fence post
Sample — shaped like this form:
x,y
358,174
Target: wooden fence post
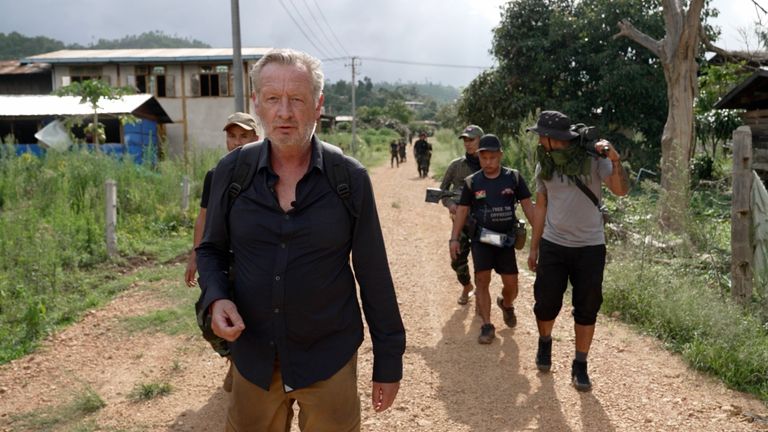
x,y
741,216
185,193
111,217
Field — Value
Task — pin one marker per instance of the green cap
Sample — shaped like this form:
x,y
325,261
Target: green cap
x,y
472,131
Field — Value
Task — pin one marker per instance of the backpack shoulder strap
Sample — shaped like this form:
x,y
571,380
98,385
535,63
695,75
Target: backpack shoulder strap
x,y
337,173
245,168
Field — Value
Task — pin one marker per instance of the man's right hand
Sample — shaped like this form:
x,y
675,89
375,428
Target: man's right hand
x,y
452,208
225,321
189,273
533,257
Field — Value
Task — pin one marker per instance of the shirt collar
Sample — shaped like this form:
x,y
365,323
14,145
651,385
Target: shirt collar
x,y
315,162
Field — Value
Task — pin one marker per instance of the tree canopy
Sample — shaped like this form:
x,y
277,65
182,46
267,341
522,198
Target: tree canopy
x,y
560,54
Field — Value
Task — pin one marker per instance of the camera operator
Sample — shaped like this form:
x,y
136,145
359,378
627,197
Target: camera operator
x,y
568,241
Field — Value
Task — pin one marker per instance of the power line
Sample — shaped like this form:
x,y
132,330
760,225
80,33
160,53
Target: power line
x,y
328,41
322,15
413,63
308,27
285,8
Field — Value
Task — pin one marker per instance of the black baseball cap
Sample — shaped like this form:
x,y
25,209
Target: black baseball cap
x,y
489,142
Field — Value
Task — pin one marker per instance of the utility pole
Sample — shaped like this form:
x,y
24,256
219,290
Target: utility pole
x,y
237,59
354,115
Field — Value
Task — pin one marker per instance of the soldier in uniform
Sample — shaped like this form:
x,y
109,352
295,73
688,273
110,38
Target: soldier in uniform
x,y
453,181
393,156
401,149
422,151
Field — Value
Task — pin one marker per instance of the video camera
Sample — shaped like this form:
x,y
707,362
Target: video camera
x,y
588,137
434,195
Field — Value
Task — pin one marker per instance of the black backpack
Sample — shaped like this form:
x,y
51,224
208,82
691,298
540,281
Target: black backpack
x,y
337,174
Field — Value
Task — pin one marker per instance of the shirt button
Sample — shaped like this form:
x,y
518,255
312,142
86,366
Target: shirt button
x,y
277,310
277,278
271,343
287,217
282,245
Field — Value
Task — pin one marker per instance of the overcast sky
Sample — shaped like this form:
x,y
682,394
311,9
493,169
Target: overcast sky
x,y
445,32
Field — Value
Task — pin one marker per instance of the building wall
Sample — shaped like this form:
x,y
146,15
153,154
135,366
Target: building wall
x,y
200,118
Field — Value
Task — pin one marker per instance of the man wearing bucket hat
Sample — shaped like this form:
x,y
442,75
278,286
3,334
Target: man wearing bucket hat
x,y
453,181
568,240
490,196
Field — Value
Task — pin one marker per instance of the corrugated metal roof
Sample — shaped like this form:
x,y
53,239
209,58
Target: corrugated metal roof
x,y
153,55
48,105
13,67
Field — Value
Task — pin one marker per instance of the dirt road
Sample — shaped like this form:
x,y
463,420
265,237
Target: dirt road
x,y
451,383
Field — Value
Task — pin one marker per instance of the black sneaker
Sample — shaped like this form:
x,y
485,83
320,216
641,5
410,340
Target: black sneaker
x,y
580,376
487,333
544,355
508,312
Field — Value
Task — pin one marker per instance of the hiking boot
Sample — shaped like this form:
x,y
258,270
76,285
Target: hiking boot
x,y
487,333
544,356
509,313
580,377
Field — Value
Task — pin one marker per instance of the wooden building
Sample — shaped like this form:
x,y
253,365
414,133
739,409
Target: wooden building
x,y
752,95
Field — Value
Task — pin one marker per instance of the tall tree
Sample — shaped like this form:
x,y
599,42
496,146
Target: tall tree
x,y
558,54
678,51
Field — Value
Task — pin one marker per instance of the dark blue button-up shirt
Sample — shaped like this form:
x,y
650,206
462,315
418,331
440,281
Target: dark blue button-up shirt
x,y
293,283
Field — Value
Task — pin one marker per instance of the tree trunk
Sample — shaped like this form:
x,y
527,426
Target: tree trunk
x,y
677,143
677,52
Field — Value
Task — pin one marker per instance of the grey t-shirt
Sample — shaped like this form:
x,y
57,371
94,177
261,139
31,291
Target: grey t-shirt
x,y
572,219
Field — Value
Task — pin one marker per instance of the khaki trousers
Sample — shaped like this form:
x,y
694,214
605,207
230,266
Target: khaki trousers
x,y
332,405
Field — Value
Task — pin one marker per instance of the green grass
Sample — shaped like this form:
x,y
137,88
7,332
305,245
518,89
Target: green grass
x,y
53,261
681,294
72,415
149,391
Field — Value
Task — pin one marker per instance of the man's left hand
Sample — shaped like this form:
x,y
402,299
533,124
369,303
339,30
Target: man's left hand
x,y
604,147
383,395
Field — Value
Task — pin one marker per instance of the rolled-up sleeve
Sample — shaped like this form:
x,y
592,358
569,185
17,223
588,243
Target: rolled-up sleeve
x,y
377,291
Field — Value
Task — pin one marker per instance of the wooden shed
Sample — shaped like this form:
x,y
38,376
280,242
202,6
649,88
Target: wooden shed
x,y
752,95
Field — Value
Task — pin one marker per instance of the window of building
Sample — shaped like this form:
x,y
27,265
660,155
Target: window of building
x,y
153,80
84,73
213,80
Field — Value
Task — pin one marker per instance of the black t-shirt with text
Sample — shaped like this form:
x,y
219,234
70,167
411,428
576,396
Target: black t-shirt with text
x,y
492,201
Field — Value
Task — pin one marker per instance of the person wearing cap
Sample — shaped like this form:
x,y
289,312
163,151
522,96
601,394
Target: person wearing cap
x,y
422,152
241,128
453,181
489,196
568,240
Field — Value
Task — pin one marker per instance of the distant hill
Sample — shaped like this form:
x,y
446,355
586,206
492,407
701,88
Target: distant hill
x,y
14,45
440,93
